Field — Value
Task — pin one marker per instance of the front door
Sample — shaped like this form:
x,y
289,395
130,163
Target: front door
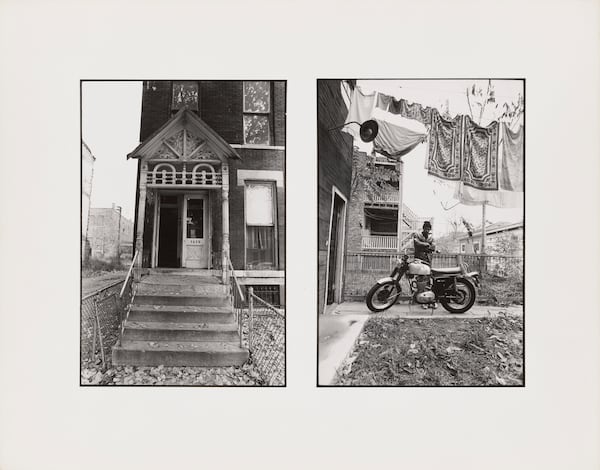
x,y
196,247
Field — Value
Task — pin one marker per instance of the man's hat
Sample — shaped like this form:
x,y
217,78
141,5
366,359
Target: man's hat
x,y
427,224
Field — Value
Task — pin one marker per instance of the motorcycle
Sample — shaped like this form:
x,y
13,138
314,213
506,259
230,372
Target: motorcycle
x,y
454,288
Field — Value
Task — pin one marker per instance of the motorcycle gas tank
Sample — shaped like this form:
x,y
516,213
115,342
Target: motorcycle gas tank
x,y
419,269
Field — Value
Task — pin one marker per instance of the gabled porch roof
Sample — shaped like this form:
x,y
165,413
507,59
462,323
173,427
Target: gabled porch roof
x,y
188,120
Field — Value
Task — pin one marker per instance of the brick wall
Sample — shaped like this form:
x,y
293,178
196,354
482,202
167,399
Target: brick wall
x,y
253,159
334,163
220,106
103,232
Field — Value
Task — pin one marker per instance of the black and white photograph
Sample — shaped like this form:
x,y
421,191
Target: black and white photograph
x,y
183,232
299,235
421,232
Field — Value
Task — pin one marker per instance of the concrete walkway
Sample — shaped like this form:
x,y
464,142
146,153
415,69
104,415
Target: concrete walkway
x,y
340,327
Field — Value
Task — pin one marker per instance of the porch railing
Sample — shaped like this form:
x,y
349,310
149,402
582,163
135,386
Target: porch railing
x,y
184,179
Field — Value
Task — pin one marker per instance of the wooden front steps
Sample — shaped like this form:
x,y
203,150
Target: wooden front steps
x,y
180,319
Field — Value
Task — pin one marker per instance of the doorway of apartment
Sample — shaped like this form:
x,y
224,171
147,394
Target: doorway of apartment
x,y
336,247
168,232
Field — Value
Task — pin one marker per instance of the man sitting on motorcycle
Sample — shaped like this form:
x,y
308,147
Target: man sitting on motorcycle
x,y
423,243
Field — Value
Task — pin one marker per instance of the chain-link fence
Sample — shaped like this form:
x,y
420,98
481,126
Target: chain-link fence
x,y
266,339
101,318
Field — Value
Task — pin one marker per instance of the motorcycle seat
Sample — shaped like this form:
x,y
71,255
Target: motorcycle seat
x,y
441,271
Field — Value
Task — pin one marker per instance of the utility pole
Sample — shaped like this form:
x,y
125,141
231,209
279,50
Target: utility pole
x,y
483,228
400,168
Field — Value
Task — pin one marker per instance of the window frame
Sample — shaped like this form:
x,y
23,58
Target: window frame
x,y
273,185
268,114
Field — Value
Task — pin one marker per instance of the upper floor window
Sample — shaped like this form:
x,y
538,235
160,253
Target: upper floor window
x,y
185,94
257,110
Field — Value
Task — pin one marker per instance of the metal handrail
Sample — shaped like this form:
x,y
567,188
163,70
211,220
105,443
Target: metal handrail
x,y
129,273
125,282
238,312
237,284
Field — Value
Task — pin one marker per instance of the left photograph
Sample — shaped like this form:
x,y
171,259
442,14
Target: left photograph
x,y
183,233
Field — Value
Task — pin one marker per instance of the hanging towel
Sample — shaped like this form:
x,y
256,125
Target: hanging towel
x,y
474,197
411,111
480,155
511,169
361,109
384,101
445,147
397,135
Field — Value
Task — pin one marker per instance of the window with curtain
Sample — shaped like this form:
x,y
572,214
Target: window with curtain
x,y
261,234
185,94
257,110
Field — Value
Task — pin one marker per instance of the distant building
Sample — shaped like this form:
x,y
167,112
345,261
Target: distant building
x,y
373,218
87,174
110,234
502,238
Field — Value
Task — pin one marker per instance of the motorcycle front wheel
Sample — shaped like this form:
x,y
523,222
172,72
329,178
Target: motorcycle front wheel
x,y
464,298
383,296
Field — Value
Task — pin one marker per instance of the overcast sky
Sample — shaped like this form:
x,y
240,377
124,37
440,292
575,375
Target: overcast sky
x,y
111,124
111,114
425,195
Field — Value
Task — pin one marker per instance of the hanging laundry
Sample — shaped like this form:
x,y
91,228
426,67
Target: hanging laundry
x,y
411,111
511,169
480,155
397,135
445,147
384,101
475,197
361,108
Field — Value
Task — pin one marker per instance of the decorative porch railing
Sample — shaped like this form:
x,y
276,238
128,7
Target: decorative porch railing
x,y
184,178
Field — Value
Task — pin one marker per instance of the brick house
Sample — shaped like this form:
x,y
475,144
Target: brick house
x,y
210,185
109,233
334,183
373,218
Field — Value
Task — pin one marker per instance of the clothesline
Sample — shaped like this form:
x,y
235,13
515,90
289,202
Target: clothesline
x,y
480,160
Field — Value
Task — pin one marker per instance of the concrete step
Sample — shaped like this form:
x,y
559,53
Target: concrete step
x,y
190,290
171,331
181,313
179,353
185,299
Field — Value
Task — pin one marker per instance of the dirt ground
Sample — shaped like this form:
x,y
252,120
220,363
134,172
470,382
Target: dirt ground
x,y
91,281
437,352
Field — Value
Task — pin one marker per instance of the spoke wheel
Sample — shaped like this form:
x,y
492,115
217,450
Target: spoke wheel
x,y
383,296
462,298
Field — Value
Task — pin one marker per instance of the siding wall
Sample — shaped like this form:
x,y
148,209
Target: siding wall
x,y
334,165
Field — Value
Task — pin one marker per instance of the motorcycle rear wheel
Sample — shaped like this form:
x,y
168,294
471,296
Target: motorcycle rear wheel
x,y
383,296
465,298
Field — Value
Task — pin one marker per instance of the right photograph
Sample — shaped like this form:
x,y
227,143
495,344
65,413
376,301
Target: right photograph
x,y
421,232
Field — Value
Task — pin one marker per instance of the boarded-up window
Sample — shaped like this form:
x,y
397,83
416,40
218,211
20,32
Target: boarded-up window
x,y
257,109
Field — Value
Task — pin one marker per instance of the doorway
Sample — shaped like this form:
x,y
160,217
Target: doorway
x,y
336,250
168,232
196,232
